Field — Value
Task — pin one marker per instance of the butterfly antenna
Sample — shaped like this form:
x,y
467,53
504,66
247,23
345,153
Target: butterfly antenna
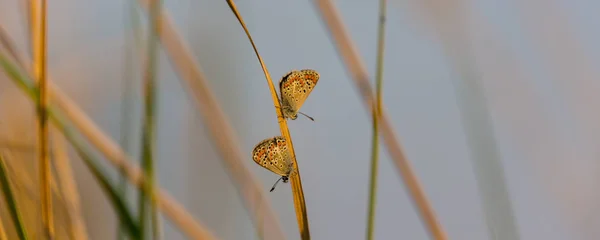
x,y
273,188
309,117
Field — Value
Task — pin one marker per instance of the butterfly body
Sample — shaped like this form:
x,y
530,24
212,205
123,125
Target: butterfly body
x,y
295,87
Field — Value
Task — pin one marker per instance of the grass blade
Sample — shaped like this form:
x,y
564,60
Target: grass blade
x,y
295,180
359,73
375,112
149,124
11,202
39,43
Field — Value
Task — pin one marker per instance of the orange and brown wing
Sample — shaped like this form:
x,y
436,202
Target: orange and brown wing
x,y
296,86
269,155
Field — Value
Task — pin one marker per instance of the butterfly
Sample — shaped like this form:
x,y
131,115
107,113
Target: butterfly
x,y
295,87
273,154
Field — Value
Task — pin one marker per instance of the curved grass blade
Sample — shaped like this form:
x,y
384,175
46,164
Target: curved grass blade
x,y
295,180
11,202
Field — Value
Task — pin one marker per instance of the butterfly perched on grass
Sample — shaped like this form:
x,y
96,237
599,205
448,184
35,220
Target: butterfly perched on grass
x,y
295,87
273,154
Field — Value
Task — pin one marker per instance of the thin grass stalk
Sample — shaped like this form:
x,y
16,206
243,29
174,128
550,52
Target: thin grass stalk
x,y
219,129
68,189
359,74
375,112
149,123
295,181
40,51
11,202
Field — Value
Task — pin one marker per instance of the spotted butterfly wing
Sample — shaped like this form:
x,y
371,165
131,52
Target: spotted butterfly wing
x,y
295,88
273,154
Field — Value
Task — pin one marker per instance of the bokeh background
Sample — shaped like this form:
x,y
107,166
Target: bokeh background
x,y
485,95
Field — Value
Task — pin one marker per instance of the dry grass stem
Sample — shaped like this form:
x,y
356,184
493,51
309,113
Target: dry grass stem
x,y
68,188
118,158
295,180
359,73
219,128
39,40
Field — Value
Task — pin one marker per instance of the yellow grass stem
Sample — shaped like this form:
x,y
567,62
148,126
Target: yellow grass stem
x,y
375,112
358,72
39,42
298,193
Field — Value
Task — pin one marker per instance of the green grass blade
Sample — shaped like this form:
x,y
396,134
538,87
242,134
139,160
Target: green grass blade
x,y
131,25
120,206
376,111
149,126
25,83
12,205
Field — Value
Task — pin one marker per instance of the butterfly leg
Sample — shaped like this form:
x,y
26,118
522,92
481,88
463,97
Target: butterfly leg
x,y
284,178
309,117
